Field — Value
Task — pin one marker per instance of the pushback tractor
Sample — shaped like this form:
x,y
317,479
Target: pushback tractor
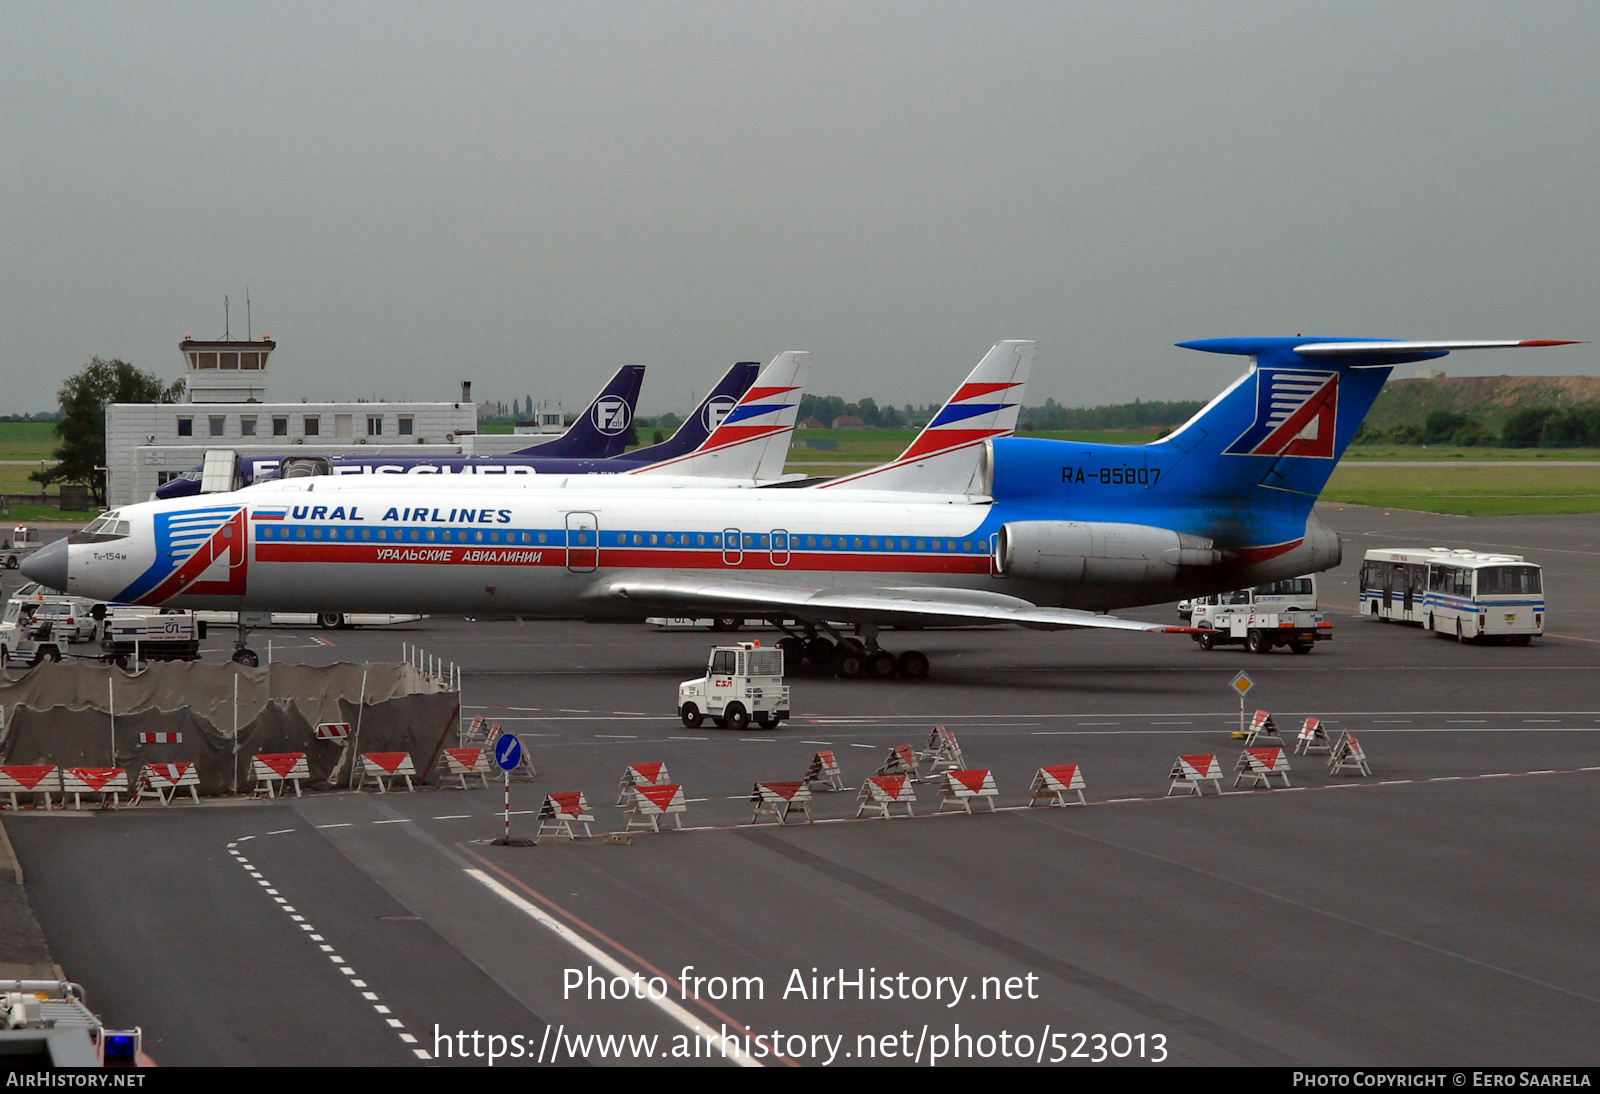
x,y
743,683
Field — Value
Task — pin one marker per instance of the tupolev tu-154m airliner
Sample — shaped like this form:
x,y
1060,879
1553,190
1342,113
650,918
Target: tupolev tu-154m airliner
x,y
1052,533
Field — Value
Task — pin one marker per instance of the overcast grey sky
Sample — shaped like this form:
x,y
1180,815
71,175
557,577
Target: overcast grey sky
x,y
530,195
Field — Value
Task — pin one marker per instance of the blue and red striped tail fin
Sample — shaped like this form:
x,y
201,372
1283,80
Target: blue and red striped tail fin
x,y
947,456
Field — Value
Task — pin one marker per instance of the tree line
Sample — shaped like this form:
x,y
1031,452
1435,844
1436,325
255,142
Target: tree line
x,y
1533,427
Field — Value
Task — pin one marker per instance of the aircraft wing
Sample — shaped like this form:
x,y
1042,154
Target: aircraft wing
x,y
691,594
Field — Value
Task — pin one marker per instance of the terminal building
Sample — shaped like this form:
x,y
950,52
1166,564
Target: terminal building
x,y
149,443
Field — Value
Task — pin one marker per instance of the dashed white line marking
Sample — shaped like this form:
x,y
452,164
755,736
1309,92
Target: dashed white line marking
x,y
760,740
816,742
688,738
617,736
345,824
338,961
402,820
455,816
280,831
863,746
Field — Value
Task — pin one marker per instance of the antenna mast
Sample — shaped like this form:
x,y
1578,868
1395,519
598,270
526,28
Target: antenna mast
x,y
226,336
248,330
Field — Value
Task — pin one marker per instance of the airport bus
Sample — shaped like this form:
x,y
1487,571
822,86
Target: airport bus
x,y
1460,592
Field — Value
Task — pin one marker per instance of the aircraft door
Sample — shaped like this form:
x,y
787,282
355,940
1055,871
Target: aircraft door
x,y
583,543
732,547
779,552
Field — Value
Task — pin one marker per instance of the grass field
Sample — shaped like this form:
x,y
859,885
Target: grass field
x,y
1469,491
27,440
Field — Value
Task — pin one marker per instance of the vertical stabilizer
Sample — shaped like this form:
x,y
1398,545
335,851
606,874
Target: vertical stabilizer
x,y
697,427
601,431
947,456
752,442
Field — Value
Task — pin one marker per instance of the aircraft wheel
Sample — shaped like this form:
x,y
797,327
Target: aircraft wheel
x,y
913,665
819,651
736,717
1208,641
329,620
848,662
880,665
794,650
691,716
247,657
726,623
1256,642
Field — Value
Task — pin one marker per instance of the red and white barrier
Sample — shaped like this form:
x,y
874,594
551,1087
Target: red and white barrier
x,y
333,731
1260,726
965,787
648,804
281,768
882,791
1052,785
941,751
560,811
1259,765
901,761
163,781
477,731
1193,772
778,799
40,779
1312,738
161,738
652,774
109,782
1348,755
383,768
463,762
824,769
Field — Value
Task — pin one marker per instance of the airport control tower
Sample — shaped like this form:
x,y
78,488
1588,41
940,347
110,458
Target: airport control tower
x,y
228,371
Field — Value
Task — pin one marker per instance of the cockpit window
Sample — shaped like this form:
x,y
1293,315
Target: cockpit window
x,y
107,526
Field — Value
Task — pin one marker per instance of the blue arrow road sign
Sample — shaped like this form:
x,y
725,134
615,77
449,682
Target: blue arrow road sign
x,y
508,751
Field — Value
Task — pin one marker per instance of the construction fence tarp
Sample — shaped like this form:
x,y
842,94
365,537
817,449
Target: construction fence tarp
x,y
61,714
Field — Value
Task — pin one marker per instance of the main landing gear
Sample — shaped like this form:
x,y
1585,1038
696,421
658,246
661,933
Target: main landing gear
x,y
850,658
243,654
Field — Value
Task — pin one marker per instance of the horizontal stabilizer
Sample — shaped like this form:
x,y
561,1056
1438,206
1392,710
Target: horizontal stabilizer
x,y
1369,349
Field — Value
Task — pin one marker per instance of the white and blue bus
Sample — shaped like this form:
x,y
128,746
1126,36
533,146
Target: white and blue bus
x,y
1467,594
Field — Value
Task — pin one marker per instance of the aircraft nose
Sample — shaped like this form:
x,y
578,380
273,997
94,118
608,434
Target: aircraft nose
x,y
48,565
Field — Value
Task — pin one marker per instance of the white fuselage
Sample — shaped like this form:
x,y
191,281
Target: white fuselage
x,y
547,549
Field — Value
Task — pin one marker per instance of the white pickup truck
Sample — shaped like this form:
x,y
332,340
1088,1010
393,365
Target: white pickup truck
x,y
741,683
1262,618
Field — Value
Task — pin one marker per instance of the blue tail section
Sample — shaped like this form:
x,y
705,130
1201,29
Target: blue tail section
x,y
1245,471
699,426
601,431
